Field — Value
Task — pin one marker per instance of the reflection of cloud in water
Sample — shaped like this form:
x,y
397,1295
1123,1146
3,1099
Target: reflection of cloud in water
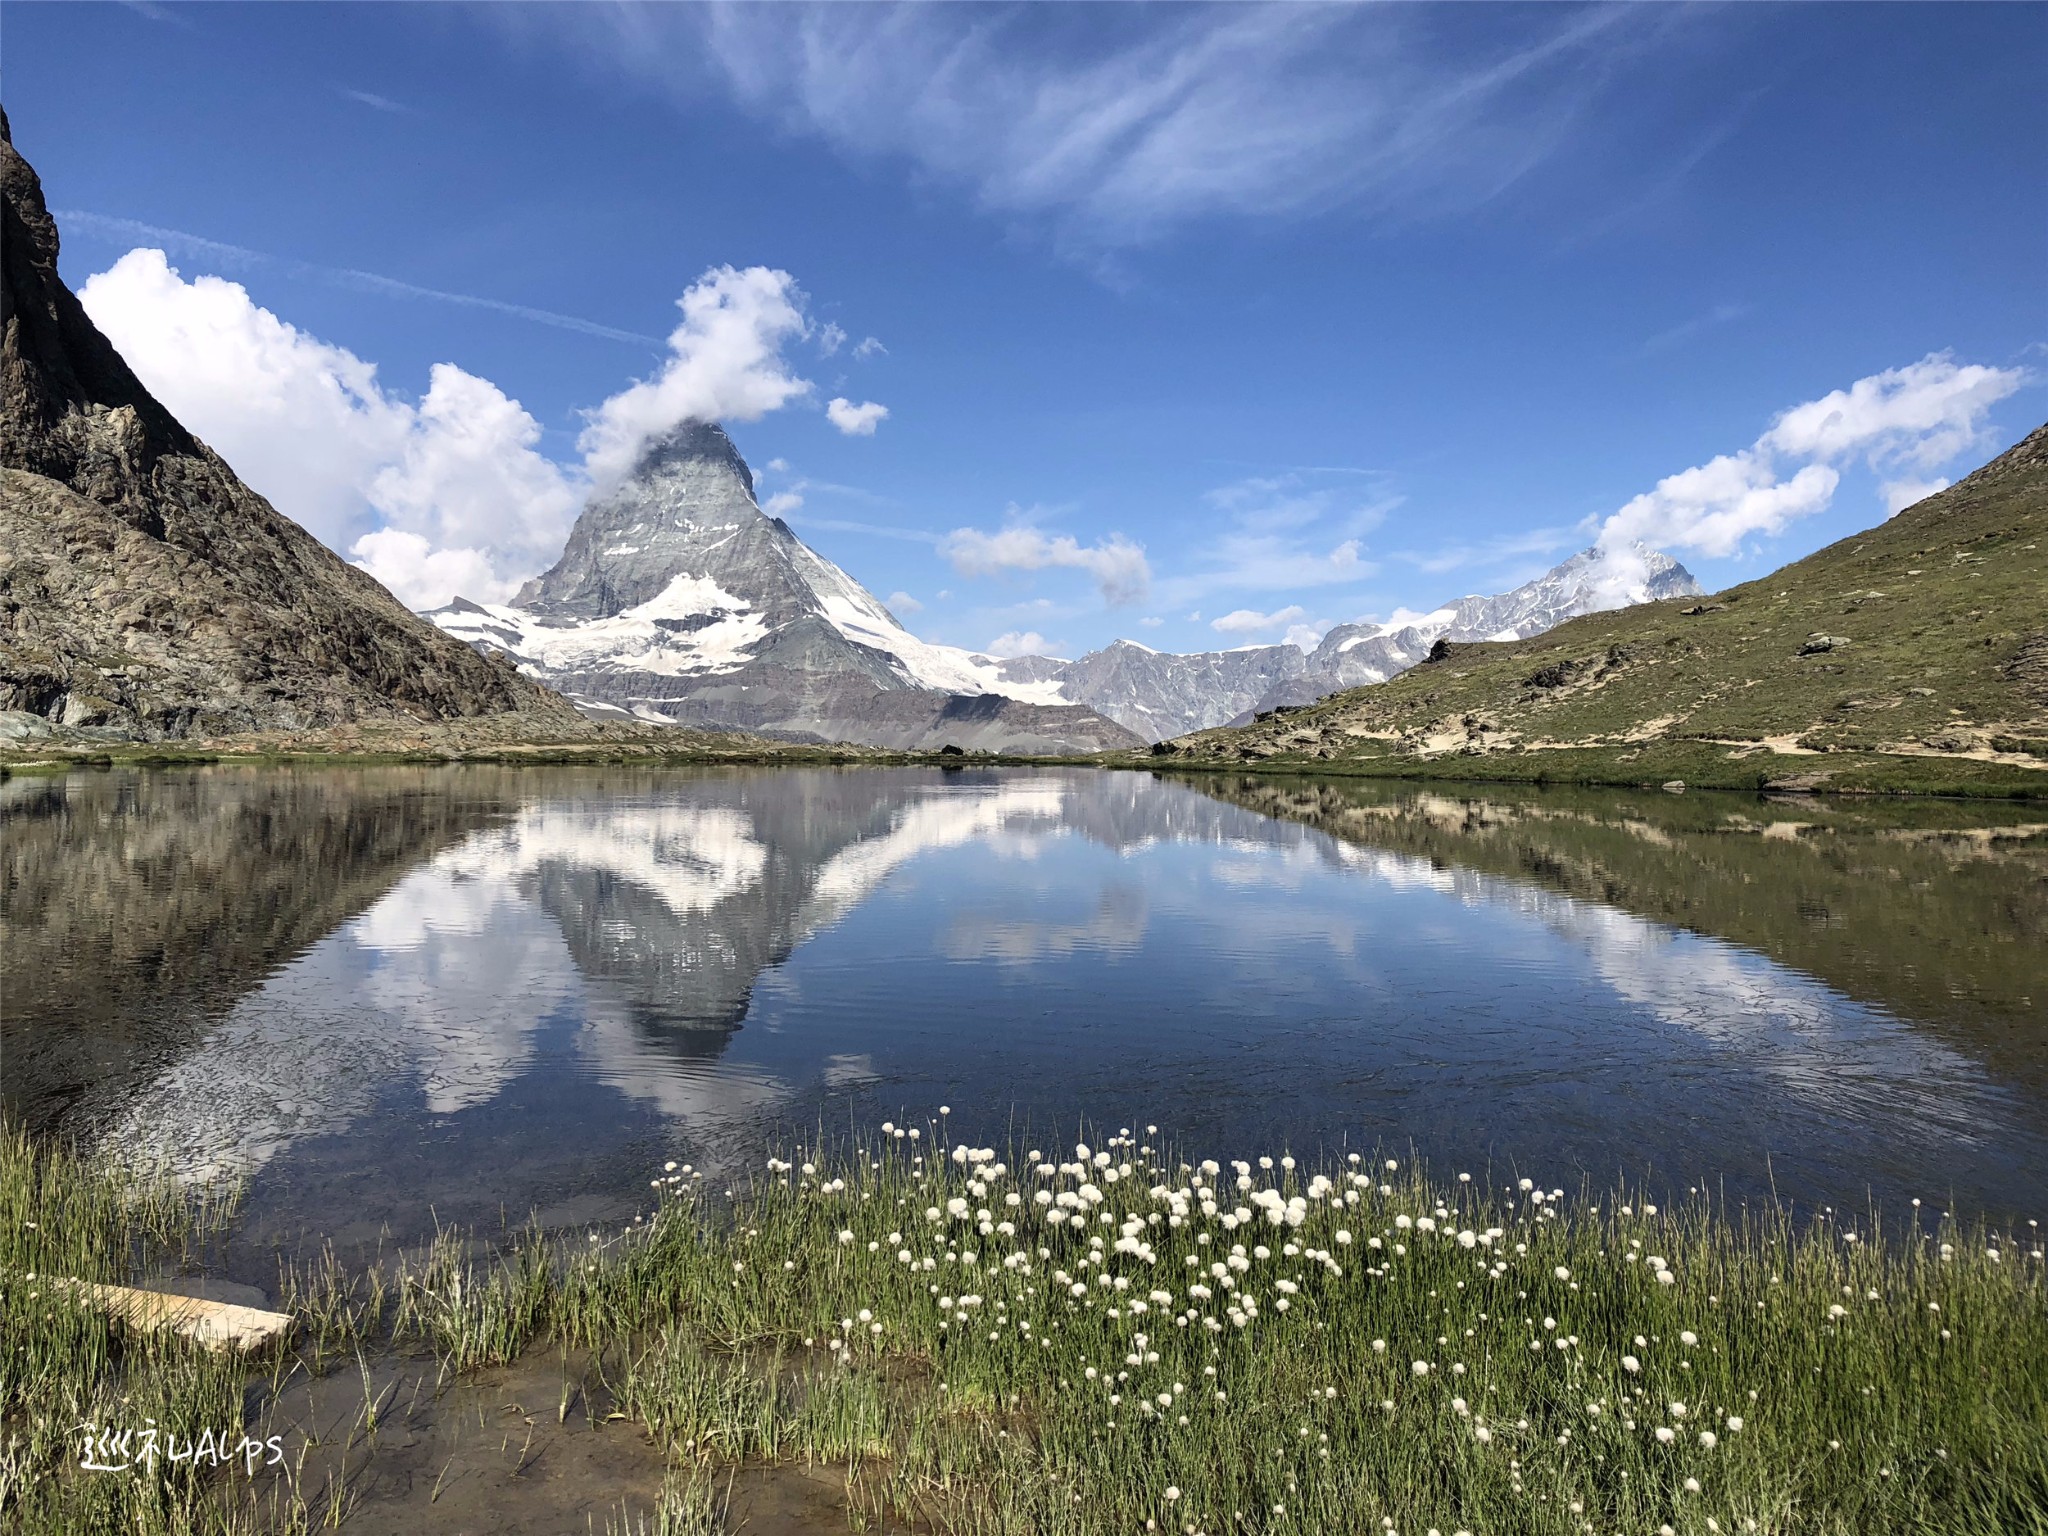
x,y
940,819
856,1071
1118,927
1790,1028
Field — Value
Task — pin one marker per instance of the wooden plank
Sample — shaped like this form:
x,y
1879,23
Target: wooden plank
x,y
216,1324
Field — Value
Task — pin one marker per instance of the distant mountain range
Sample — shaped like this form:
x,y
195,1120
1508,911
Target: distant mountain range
x,y
1158,694
677,600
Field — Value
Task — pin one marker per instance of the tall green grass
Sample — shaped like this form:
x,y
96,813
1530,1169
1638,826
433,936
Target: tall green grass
x,y
1348,1348
65,1364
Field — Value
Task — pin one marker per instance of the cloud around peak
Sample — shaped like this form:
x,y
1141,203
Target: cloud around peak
x,y
725,364
450,495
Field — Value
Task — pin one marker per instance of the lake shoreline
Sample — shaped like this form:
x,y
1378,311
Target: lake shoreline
x,y
1848,775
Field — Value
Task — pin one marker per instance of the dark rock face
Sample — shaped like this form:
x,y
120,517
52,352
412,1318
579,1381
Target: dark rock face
x,y
678,600
144,590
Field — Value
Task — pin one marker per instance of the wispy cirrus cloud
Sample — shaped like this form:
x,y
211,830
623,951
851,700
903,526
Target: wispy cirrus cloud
x,y
1708,320
1115,130
1286,532
1119,566
377,103
1486,552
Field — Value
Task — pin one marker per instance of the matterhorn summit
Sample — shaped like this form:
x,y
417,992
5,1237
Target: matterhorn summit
x,y
677,600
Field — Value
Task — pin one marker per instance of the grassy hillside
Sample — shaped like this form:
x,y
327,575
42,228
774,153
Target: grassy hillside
x,y
1911,656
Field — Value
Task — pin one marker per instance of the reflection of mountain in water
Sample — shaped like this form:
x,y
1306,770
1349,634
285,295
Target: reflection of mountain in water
x,y
136,908
639,909
1935,912
596,936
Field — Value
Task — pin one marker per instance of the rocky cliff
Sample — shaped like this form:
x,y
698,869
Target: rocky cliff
x,y
144,590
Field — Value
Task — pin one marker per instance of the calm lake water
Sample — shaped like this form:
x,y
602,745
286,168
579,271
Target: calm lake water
x,y
399,995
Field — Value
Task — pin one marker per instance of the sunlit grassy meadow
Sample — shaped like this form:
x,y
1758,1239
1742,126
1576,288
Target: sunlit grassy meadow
x,y
1105,1338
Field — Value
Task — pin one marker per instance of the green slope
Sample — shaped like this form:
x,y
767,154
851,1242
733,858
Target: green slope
x,y
1911,656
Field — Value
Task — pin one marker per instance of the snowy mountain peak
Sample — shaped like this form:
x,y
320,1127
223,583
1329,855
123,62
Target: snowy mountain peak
x,y
678,599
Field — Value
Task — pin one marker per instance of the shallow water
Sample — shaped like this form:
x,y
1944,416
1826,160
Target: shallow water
x,y
395,996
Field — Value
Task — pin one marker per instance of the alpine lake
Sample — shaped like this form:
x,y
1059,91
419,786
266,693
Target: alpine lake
x,y
1020,1152
390,999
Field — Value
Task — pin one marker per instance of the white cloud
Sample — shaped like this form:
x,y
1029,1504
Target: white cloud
x,y
470,477
304,423
1118,565
1114,135
782,503
902,602
831,338
856,420
870,346
1919,416
421,576
1249,621
1714,506
1306,636
450,496
1901,494
1151,621
1025,642
726,364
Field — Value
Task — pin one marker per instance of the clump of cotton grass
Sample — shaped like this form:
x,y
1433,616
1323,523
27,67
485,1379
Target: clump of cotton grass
x,y
1054,1335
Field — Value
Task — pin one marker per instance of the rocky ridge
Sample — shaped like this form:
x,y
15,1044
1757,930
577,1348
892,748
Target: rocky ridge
x,y
145,591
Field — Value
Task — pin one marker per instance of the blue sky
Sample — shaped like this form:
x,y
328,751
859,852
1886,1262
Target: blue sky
x,y
1277,316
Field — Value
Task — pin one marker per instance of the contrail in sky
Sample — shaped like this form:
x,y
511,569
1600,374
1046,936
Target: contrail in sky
x,y
178,240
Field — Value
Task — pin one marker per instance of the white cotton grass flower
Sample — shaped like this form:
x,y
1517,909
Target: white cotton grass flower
x,y
1688,1338
1708,1440
1631,1364
1666,1434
